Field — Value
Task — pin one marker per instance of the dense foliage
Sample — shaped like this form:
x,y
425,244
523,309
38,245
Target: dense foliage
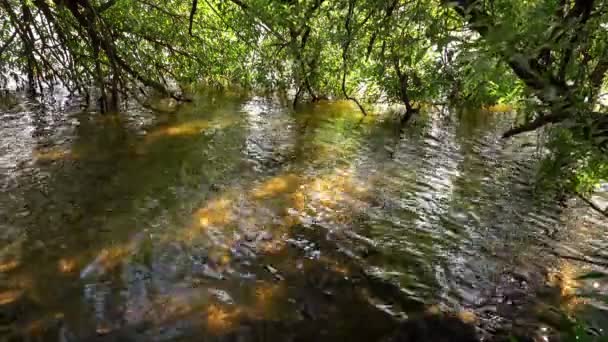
x,y
548,58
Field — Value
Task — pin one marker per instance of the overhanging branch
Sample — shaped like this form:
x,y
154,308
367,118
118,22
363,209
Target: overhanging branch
x,y
535,124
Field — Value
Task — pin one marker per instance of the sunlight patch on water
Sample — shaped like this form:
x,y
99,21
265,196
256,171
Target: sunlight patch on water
x,y
10,296
265,292
66,265
276,186
7,266
112,256
54,153
259,220
564,277
216,213
220,320
188,128
467,316
106,260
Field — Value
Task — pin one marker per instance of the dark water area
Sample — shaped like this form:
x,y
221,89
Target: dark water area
x,y
237,218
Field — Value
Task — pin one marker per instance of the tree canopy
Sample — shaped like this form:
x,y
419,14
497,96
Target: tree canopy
x,y
547,58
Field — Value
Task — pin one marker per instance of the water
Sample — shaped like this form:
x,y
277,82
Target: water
x,y
236,218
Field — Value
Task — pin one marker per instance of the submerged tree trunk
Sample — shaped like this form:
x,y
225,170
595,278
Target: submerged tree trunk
x,y
403,92
115,99
27,39
103,99
31,78
345,47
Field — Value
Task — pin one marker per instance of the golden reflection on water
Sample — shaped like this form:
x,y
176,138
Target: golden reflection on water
x,y
107,259
574,292
215,213
53,154
110,257
276,186
8,266
220,320
268,297
276,205
66,265
266,292
188,128
334,189
10,296
467,316
564,277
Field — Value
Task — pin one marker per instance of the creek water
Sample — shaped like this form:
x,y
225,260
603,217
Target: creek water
x,y
236,218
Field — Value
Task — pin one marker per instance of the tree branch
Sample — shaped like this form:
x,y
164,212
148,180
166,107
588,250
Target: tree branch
x,y
535,124
192,13
555,94
345,47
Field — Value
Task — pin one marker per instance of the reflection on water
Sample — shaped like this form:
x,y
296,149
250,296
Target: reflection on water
x,y
239,217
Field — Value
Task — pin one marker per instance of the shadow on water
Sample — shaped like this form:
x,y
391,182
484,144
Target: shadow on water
x,y
236,219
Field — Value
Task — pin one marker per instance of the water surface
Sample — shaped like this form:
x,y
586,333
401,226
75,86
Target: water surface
x,y
238,217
